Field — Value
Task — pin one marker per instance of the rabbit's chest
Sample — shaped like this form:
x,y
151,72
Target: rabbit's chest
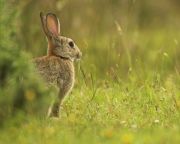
x,y
57,72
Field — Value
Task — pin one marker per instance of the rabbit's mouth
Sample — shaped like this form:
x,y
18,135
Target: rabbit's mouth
x,y
78,56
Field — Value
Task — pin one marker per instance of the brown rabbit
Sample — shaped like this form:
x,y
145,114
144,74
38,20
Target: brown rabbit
x,y
57,66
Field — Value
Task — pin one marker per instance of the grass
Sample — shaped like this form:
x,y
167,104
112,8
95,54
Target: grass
x,y
127,87
131,112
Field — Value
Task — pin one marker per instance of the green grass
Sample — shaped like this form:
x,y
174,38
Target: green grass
x,y
133,98
131,112
127,84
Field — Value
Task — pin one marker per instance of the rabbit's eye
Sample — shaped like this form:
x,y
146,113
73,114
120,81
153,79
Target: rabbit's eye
x,y
71,44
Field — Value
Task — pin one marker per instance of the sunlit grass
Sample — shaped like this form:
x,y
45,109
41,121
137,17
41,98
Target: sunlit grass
x,y
127,87
130,112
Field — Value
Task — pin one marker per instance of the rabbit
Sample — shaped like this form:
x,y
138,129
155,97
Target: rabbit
x,y
57,66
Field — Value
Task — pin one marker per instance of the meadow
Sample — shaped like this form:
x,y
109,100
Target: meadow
x,y
127,87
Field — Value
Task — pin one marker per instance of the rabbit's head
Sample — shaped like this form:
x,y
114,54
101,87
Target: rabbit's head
x,y
57,44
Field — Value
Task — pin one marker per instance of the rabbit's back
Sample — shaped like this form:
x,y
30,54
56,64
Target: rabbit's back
x,y
56,70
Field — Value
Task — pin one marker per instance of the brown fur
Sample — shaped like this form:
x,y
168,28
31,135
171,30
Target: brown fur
x,y
57,71
57,67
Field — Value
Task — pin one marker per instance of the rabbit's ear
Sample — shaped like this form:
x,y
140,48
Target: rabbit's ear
x,y
43,21
52,24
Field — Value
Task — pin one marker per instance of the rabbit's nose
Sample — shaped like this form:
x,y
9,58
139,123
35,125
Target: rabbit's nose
x,y
79,55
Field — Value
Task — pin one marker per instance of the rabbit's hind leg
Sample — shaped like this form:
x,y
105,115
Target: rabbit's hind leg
x,y
54,110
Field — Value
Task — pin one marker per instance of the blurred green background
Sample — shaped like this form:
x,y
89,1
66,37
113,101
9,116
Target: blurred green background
x,y
129,43
110,33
